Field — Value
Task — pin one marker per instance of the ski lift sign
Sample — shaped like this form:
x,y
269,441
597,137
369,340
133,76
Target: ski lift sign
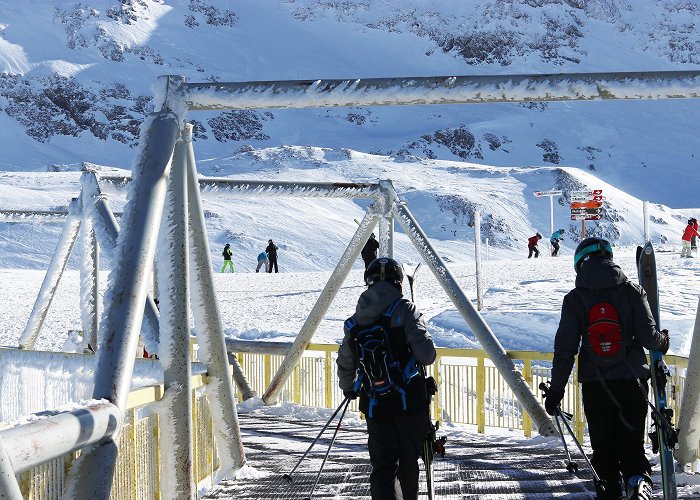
x,y
587,205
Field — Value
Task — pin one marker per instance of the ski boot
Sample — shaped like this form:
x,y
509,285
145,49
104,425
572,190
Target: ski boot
x,y
639,488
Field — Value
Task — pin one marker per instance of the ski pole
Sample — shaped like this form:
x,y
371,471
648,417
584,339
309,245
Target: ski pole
x,y
335,433
288,477
596,477
570,464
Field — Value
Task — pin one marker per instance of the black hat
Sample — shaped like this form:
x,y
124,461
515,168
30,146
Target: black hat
x,y
384,269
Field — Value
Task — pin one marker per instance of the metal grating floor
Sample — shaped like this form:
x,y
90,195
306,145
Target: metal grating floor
x,y
481,469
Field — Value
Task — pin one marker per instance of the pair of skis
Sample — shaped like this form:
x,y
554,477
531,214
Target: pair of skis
x,y
664,436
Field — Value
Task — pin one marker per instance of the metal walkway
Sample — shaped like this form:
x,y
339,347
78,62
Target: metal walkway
x,y
478,469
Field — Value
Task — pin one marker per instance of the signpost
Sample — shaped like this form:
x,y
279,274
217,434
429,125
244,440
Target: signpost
x,y
551,194
586,205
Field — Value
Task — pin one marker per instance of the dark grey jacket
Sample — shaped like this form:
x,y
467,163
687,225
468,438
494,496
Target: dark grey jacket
x,y
371,304
598,274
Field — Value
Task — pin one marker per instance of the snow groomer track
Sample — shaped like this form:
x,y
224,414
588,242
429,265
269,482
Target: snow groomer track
x,y
478,467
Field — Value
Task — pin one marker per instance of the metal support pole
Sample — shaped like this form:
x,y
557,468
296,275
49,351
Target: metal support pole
x,y
487,339
477,259
124,304
89,282
53,276
689,417
107,230
551,214
645,211
9,487
320,307
177,480
386,236
210,333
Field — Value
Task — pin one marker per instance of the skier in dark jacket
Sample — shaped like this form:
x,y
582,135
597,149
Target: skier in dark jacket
x,y
369,251
614,395
271,251
396,434
532,245
227,253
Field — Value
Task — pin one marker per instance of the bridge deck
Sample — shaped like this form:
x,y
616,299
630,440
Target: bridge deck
x,y
479,468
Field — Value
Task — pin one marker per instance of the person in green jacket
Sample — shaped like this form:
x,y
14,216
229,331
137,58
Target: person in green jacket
x,y
227,253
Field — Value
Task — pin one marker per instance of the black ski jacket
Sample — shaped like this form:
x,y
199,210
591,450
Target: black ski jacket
x,y
599,274
369,251
370,306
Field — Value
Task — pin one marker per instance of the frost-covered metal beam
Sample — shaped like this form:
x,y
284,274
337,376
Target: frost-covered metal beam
x,y
52,276
442,90
487,339
335,281
45,439
689,416
33,216
347,190
9,487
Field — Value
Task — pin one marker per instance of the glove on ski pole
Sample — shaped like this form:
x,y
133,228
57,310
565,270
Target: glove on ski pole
x,y
288,477
323,464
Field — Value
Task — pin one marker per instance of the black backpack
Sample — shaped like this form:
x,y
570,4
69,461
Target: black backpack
x,y
604,336
386,364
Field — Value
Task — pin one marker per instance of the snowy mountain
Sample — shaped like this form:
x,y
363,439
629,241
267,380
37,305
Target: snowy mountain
x,y
76,81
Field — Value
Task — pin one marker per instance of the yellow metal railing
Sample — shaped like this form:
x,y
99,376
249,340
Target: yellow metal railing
x,y
470,389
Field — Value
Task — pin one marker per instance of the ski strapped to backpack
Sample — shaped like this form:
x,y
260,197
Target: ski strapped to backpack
x,y
386,364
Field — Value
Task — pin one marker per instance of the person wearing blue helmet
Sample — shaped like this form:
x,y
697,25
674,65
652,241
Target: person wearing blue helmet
x,y
612,366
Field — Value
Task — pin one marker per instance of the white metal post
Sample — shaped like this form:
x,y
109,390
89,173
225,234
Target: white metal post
x,y
487,339
124,305
324,300
89,281
645,211
53,276
551,214
689,418
176,432
477,258
210,332
9,488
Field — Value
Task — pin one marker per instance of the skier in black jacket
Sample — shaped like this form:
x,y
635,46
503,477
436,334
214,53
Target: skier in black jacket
x,y
369,251
396,430
271,251
614,395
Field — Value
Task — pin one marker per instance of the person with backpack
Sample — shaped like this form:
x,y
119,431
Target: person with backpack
x,y
227,253
532,245
556,237
271,251
369,251
262,261
607,321
385,345
691,231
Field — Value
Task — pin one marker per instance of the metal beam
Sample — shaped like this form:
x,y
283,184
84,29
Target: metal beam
x,y
442,90
521,390
322,304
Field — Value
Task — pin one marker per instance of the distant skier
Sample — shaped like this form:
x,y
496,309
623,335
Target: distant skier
x,y
271,251
262,261
227,253
606,320
532,245
556,237
690,232
369,251
396,406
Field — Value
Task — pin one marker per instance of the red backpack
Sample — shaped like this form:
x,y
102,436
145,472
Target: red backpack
x,y
604,334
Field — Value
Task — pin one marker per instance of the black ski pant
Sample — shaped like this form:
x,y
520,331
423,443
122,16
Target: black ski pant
x,y
533,250
395,444
555,246
273,262
368,260
616,411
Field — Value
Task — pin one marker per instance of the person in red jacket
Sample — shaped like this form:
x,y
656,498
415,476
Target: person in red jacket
x,y
532,245
690,231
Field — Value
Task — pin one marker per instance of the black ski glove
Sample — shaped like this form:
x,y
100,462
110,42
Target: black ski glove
x,y
350,395
552,400
667,337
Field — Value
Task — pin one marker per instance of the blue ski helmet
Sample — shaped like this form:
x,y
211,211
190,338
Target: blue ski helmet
x,y
384,269
589,247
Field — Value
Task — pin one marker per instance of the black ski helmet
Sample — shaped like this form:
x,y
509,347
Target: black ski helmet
x,y
591,246
384,269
